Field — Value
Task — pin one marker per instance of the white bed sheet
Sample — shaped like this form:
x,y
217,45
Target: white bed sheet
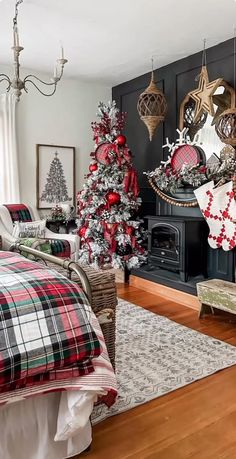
x,y
51,426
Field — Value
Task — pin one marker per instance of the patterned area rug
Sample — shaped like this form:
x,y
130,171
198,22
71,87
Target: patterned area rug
x,y
155,356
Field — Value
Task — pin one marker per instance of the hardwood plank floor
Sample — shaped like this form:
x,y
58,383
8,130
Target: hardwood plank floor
x,y
197,421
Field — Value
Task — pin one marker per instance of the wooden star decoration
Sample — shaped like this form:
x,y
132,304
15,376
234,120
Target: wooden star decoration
x,y
223,102
203,94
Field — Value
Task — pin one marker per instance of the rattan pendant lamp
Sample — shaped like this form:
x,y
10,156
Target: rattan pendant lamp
x,y
152,106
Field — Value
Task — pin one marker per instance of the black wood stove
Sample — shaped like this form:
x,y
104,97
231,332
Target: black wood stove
x,y
178,244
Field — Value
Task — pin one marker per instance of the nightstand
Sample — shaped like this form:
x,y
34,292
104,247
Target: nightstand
x,y
61,226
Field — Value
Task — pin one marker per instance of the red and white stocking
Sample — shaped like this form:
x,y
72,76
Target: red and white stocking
x,y
229,216
214,204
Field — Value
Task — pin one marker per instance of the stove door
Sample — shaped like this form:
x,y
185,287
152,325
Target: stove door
x,y
165,241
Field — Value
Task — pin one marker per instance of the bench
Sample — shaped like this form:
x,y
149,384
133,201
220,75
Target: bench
x,y
216,294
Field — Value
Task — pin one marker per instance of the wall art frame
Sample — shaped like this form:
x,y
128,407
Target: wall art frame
x,y
55,175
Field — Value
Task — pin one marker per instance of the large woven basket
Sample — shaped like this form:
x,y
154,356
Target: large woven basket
x,y
103,303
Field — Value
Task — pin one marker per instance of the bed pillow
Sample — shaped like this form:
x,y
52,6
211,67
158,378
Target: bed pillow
x,y
29,229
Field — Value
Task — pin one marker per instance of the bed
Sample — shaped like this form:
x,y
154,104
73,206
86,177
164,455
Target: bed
x,y
54,364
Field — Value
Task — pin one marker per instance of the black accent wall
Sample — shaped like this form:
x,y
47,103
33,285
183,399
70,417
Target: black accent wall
x,y
176,80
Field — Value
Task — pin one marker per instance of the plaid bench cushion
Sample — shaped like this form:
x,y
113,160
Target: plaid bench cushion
x,y
45,322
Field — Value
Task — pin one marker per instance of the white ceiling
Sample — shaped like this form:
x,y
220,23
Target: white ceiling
x,y
112,41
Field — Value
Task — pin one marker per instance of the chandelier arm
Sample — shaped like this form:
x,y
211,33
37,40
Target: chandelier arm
x,y
5,78
27,78
43,93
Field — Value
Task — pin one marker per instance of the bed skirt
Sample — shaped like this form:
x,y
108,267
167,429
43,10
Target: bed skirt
x,y
51,426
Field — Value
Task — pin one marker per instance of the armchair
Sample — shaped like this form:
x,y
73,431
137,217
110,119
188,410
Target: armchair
x,y
19,212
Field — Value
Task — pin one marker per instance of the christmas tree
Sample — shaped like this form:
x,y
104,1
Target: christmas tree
x,y
108,203
56,188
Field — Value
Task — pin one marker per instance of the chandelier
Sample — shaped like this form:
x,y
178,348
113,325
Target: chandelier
x,y
16,84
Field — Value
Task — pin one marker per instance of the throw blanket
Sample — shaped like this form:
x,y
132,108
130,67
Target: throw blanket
x,y
45,324
60,248
19,213
43,245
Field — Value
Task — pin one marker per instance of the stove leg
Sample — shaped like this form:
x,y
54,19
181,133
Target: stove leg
x,y
183,276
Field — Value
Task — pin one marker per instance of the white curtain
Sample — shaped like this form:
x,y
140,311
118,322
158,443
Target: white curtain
x,y
9,172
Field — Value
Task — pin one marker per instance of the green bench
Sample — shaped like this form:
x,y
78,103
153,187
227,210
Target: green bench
x,y
216,294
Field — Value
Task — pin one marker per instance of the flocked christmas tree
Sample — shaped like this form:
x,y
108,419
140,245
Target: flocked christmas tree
x,y
108,203
55,190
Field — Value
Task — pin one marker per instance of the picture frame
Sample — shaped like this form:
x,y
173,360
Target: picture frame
x,y
55,175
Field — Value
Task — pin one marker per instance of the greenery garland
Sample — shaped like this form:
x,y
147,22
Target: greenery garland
x,y
169,180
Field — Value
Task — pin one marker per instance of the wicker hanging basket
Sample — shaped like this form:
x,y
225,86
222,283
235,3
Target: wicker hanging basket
x,y
152,107
226,127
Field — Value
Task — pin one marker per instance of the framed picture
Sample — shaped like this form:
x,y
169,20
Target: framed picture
x,y
55,175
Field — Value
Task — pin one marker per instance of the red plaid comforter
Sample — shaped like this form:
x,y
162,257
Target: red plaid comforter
x,y
45,328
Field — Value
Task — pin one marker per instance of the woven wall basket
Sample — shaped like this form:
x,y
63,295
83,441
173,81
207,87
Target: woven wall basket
x,y
152,107
226,127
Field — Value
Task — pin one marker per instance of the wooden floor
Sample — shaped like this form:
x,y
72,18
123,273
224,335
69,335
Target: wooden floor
x,y
197,421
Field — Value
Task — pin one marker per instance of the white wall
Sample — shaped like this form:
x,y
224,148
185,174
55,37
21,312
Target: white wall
x,y
63,119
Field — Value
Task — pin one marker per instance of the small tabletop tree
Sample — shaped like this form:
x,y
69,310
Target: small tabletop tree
x,y
108,203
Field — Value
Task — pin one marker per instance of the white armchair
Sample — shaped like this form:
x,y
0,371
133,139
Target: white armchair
x,y
6,230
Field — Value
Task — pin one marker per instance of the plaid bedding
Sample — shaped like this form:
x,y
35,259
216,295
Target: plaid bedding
x,y
19,213
44,325
101,381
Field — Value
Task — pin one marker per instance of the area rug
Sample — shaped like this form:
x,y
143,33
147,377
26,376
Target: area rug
x,y
155,355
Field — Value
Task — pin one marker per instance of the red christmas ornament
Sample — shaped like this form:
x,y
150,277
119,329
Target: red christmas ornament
x,y
93,167
121,140
113,198
103,153
82,231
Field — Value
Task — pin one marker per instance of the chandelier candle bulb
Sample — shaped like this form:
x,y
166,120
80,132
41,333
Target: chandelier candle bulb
x,y
16,36
55,72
